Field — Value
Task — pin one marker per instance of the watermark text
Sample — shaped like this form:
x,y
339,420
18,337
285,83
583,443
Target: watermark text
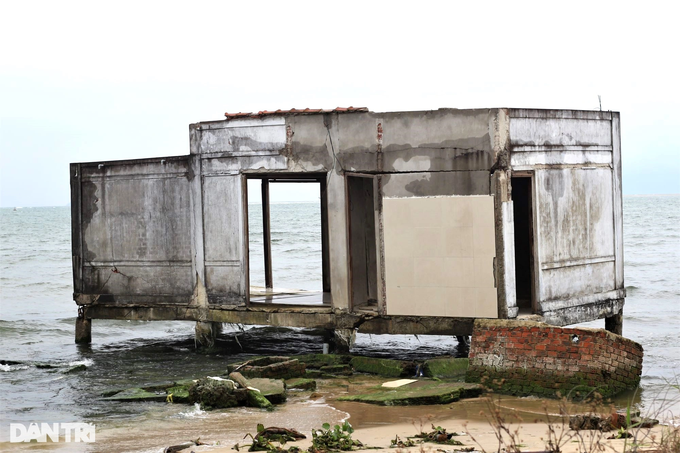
x,y
55,432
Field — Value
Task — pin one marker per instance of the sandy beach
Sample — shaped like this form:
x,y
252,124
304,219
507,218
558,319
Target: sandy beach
x,y
527,419
476,434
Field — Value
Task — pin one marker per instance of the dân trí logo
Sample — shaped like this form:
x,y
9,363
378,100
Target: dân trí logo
x,y
55,432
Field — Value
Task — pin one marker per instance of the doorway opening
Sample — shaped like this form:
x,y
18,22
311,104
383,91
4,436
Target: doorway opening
x,y
362,243
288,259
524,239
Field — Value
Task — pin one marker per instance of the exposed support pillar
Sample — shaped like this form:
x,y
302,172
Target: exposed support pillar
x,y
206,332
343,340
83,330
463,346
614,324
266,235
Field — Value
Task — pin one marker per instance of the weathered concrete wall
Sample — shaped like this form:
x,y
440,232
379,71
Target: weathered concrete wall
x,y
578,257
443,152
133,226
198,204
527,358
438,140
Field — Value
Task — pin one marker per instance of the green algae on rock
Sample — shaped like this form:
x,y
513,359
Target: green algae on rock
x,y
213,393
301,384
337,370
318,360
137,394
383,367
272,389
419,393
446,368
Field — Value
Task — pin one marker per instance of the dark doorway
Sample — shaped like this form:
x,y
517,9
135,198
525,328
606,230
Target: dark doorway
x,y
521,198
362,243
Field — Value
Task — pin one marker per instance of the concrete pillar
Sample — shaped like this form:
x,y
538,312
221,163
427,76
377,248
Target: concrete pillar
x,y
83,331
463,340
343,340
614,324
463,346
206,332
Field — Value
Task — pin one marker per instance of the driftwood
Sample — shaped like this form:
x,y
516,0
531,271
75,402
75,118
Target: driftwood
x,y
180,447
273,431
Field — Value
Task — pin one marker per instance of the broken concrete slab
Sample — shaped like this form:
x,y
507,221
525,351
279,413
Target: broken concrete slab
x,y
336,370
446,368
316,361
257,399
383,367
273,368
420,393
272,389
178,393
137,394
301,384
398,383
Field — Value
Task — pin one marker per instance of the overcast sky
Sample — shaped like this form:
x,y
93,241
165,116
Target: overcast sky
x,y
89,81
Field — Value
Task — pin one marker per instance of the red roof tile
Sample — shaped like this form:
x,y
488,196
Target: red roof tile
x,y
308,111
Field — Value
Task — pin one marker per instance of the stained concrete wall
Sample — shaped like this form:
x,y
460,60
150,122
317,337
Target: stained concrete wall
x,y
422,154
132,230
574,158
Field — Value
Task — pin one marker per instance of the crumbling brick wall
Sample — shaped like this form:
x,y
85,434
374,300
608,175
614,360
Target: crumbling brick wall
x,y
531,358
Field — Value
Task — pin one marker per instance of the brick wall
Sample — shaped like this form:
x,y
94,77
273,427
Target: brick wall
x,y
531,358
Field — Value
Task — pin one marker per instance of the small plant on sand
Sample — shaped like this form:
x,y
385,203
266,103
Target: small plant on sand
x,y
439,435
339,438
262,441
397,442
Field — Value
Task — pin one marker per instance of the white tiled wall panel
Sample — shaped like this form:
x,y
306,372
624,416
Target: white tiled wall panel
x,y
439,254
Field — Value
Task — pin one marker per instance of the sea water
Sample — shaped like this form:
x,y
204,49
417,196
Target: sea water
x,y
37,319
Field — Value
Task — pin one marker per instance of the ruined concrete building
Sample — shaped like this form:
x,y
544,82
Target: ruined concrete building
x,y
428,220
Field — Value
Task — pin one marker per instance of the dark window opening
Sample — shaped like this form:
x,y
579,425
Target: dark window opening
x,y
288,240
522,211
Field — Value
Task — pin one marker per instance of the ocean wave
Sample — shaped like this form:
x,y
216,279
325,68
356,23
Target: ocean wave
x,y
86,362
8,368
193,413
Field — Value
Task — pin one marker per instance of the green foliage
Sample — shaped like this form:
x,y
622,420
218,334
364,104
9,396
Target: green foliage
x,y
337,439
262,441
397,442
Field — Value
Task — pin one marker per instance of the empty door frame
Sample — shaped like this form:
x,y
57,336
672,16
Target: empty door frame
x,y
524,213
266,180
363,244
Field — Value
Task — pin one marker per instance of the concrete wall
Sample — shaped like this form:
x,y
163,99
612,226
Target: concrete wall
x,y
574,159
133,230
415,154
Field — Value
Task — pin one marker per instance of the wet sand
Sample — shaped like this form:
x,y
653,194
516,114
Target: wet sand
x,y
377,426
375,430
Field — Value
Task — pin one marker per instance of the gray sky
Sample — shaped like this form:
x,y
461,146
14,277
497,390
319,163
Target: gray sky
x,y
88,81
